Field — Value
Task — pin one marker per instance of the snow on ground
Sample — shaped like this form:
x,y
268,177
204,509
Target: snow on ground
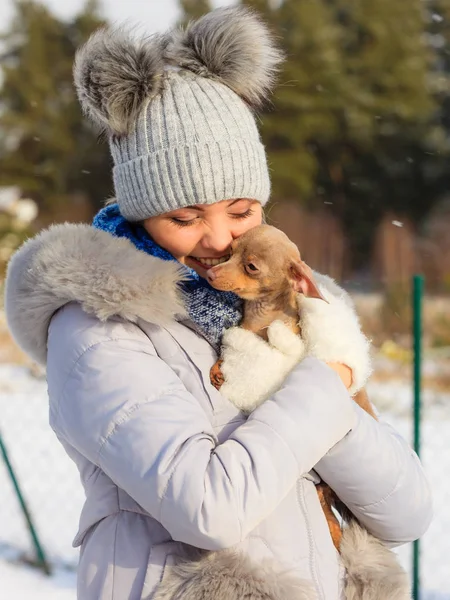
x,y
394,400
48,477
23,583
51,485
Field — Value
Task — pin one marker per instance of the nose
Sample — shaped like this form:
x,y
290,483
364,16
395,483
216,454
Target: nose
x,y
211,274
218,238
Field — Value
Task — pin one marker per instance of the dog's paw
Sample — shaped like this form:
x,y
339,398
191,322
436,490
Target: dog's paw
x,y
216,376
242,340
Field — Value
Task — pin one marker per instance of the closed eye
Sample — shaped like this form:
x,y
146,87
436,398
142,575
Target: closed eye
x,y
183,223
244,215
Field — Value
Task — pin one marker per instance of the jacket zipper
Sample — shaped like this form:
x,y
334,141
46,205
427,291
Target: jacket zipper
x,y
312,561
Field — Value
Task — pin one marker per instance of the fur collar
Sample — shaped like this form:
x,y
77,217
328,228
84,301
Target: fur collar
x,y
108,276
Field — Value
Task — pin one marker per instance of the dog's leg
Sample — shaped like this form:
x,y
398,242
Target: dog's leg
x,y
216,376
326,497
362,399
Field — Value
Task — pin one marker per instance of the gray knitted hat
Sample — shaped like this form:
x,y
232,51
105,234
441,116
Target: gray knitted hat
x,y
177,109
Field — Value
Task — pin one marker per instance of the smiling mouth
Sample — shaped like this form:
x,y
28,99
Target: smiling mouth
x,y
207,263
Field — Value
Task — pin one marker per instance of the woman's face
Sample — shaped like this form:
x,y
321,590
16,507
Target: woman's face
x,y
200,236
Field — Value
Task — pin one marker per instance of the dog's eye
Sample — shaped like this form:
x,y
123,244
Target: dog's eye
x,y
251,268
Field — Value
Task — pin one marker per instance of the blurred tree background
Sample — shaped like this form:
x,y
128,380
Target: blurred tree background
x,y
47,148
357,133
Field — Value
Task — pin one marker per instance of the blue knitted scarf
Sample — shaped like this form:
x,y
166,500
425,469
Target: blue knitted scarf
x,y
210,310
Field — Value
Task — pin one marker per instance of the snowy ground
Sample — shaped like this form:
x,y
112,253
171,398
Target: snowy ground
x,y
23,583
51,486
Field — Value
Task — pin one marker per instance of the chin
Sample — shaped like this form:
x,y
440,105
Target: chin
x,y
246,295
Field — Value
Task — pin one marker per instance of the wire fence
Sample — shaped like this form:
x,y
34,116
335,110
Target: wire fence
x,y
51,486
47,477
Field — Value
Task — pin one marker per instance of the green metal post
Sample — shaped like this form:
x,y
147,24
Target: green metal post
x,y
42,561
418,282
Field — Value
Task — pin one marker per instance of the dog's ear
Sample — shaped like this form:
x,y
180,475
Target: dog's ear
x,y
302,280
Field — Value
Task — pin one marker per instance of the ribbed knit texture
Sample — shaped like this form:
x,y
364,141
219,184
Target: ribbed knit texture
x,y
210,310
196,143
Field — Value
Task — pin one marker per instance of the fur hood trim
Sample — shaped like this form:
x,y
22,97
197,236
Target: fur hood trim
x,y
230,575
108,276
372,573
373,570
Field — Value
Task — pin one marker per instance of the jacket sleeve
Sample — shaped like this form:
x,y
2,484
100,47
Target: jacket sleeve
x,y
124,409
380,479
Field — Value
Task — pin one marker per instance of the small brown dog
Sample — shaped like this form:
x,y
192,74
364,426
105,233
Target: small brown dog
x,y
266,270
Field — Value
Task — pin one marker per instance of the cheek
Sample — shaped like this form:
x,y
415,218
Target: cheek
x,y
232,278
229,279
178,241
249,223
252,292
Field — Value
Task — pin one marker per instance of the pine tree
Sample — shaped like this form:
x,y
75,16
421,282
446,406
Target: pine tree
x,y
390,117
307,101
355,121
47,148
353,124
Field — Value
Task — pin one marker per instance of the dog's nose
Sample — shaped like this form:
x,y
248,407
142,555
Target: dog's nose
x,y
211,275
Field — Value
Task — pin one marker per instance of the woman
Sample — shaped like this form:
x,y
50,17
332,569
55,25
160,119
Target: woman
x,y
128,328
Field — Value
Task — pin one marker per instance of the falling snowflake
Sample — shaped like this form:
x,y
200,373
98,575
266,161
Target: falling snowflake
x,y
397,223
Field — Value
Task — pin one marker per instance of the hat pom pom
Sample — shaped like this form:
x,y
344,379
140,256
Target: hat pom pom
x,y
232,45
114,74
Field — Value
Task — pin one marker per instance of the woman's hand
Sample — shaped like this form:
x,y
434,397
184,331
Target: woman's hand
x,y
344,372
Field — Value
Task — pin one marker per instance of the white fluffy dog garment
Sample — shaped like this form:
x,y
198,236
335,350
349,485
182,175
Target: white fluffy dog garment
x,y
330,331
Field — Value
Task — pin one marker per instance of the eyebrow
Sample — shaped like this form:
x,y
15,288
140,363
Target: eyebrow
x,y
201,209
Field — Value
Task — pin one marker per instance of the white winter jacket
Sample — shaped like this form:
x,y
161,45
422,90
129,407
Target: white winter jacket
x,y
166,462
